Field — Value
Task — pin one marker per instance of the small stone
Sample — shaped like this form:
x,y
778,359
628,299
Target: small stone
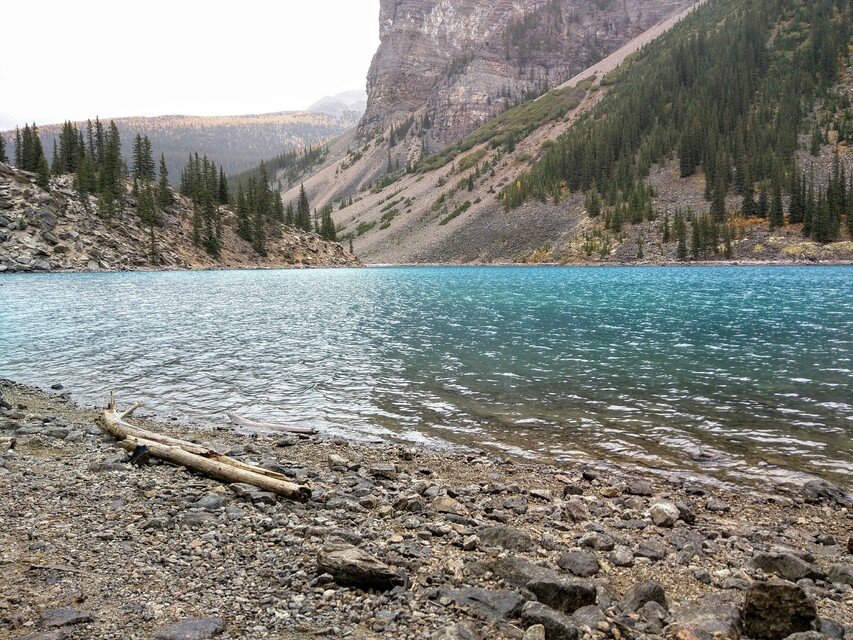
x,y
786,566
580,563
461,631
57,386
534,632
384,470
716,505
664,514
621,556
506,537
640,488
644,592
470,543
191,629
210,501
446,504
557,625
349,565
841,573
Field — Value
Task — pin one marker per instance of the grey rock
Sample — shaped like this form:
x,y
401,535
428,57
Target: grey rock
x,y
597,541
461,631
506,537
198,519
55,634
786,566
664,514
210,501
349,565
549,587
621,556
384,470
651,549
580,563
491,604
252,493
64,617
714,617
716,505
819,491
831,629
191,629
590,616
640,488
47,218
557,625
534,632
446,504
775,609
644,592
841,573
576,510
686,512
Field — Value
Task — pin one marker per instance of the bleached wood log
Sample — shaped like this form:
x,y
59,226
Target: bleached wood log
x,y
194,456
251,424
219,469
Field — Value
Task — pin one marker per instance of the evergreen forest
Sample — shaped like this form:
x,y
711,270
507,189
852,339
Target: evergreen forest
x,y
737,93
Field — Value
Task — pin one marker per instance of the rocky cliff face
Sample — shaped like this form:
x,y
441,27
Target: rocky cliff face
x,y
57,230
462,62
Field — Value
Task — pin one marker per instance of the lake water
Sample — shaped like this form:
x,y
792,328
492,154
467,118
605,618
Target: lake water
x,y
733,372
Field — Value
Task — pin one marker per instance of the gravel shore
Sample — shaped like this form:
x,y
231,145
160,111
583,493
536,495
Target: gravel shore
x,y
396,542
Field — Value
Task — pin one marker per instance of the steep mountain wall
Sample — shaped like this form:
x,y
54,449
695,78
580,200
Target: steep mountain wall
x,y
462,62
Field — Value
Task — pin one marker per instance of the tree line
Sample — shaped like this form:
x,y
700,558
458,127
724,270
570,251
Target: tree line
x,y
92,154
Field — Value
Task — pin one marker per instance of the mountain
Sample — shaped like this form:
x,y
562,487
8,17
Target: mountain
x,y
347,102
60,230
719,133
459,64
235,143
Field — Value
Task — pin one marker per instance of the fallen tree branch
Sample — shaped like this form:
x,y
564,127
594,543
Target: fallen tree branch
x,y
196,457
251,424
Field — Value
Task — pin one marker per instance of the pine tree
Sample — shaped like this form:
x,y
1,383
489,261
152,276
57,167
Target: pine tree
x,y
244,221
223,188
303,210
165,197
43,173
593,202
18,149
777,214
55,166
3,156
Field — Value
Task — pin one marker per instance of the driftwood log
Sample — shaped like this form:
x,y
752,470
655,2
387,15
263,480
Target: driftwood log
x,y
271,426
194,456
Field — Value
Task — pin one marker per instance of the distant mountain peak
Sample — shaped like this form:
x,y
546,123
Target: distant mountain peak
x,y
353,101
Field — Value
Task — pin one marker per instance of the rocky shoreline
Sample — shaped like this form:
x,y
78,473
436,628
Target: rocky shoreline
x,y
396,543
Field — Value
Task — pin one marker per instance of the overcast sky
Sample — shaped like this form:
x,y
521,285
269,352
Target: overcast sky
x,y
77,59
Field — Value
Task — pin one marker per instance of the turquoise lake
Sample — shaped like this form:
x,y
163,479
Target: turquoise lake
x,y
738,373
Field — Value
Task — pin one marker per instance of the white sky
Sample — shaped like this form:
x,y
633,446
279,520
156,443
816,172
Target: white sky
x,y
77,59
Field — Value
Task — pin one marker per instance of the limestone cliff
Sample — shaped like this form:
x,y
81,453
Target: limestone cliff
x,y
462,62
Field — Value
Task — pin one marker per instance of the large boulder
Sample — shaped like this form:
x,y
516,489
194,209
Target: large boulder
x,y
775,609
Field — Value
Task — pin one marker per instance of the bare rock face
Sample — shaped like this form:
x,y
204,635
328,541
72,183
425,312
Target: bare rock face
x,y
466,61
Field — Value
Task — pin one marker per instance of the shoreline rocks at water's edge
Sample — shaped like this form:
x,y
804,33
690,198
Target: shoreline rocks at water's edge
x,y
397,542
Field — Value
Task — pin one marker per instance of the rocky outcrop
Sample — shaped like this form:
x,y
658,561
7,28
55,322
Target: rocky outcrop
x,y
58,230
461,63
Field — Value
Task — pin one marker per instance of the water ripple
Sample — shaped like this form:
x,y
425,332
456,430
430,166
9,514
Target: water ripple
x,y
738,372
